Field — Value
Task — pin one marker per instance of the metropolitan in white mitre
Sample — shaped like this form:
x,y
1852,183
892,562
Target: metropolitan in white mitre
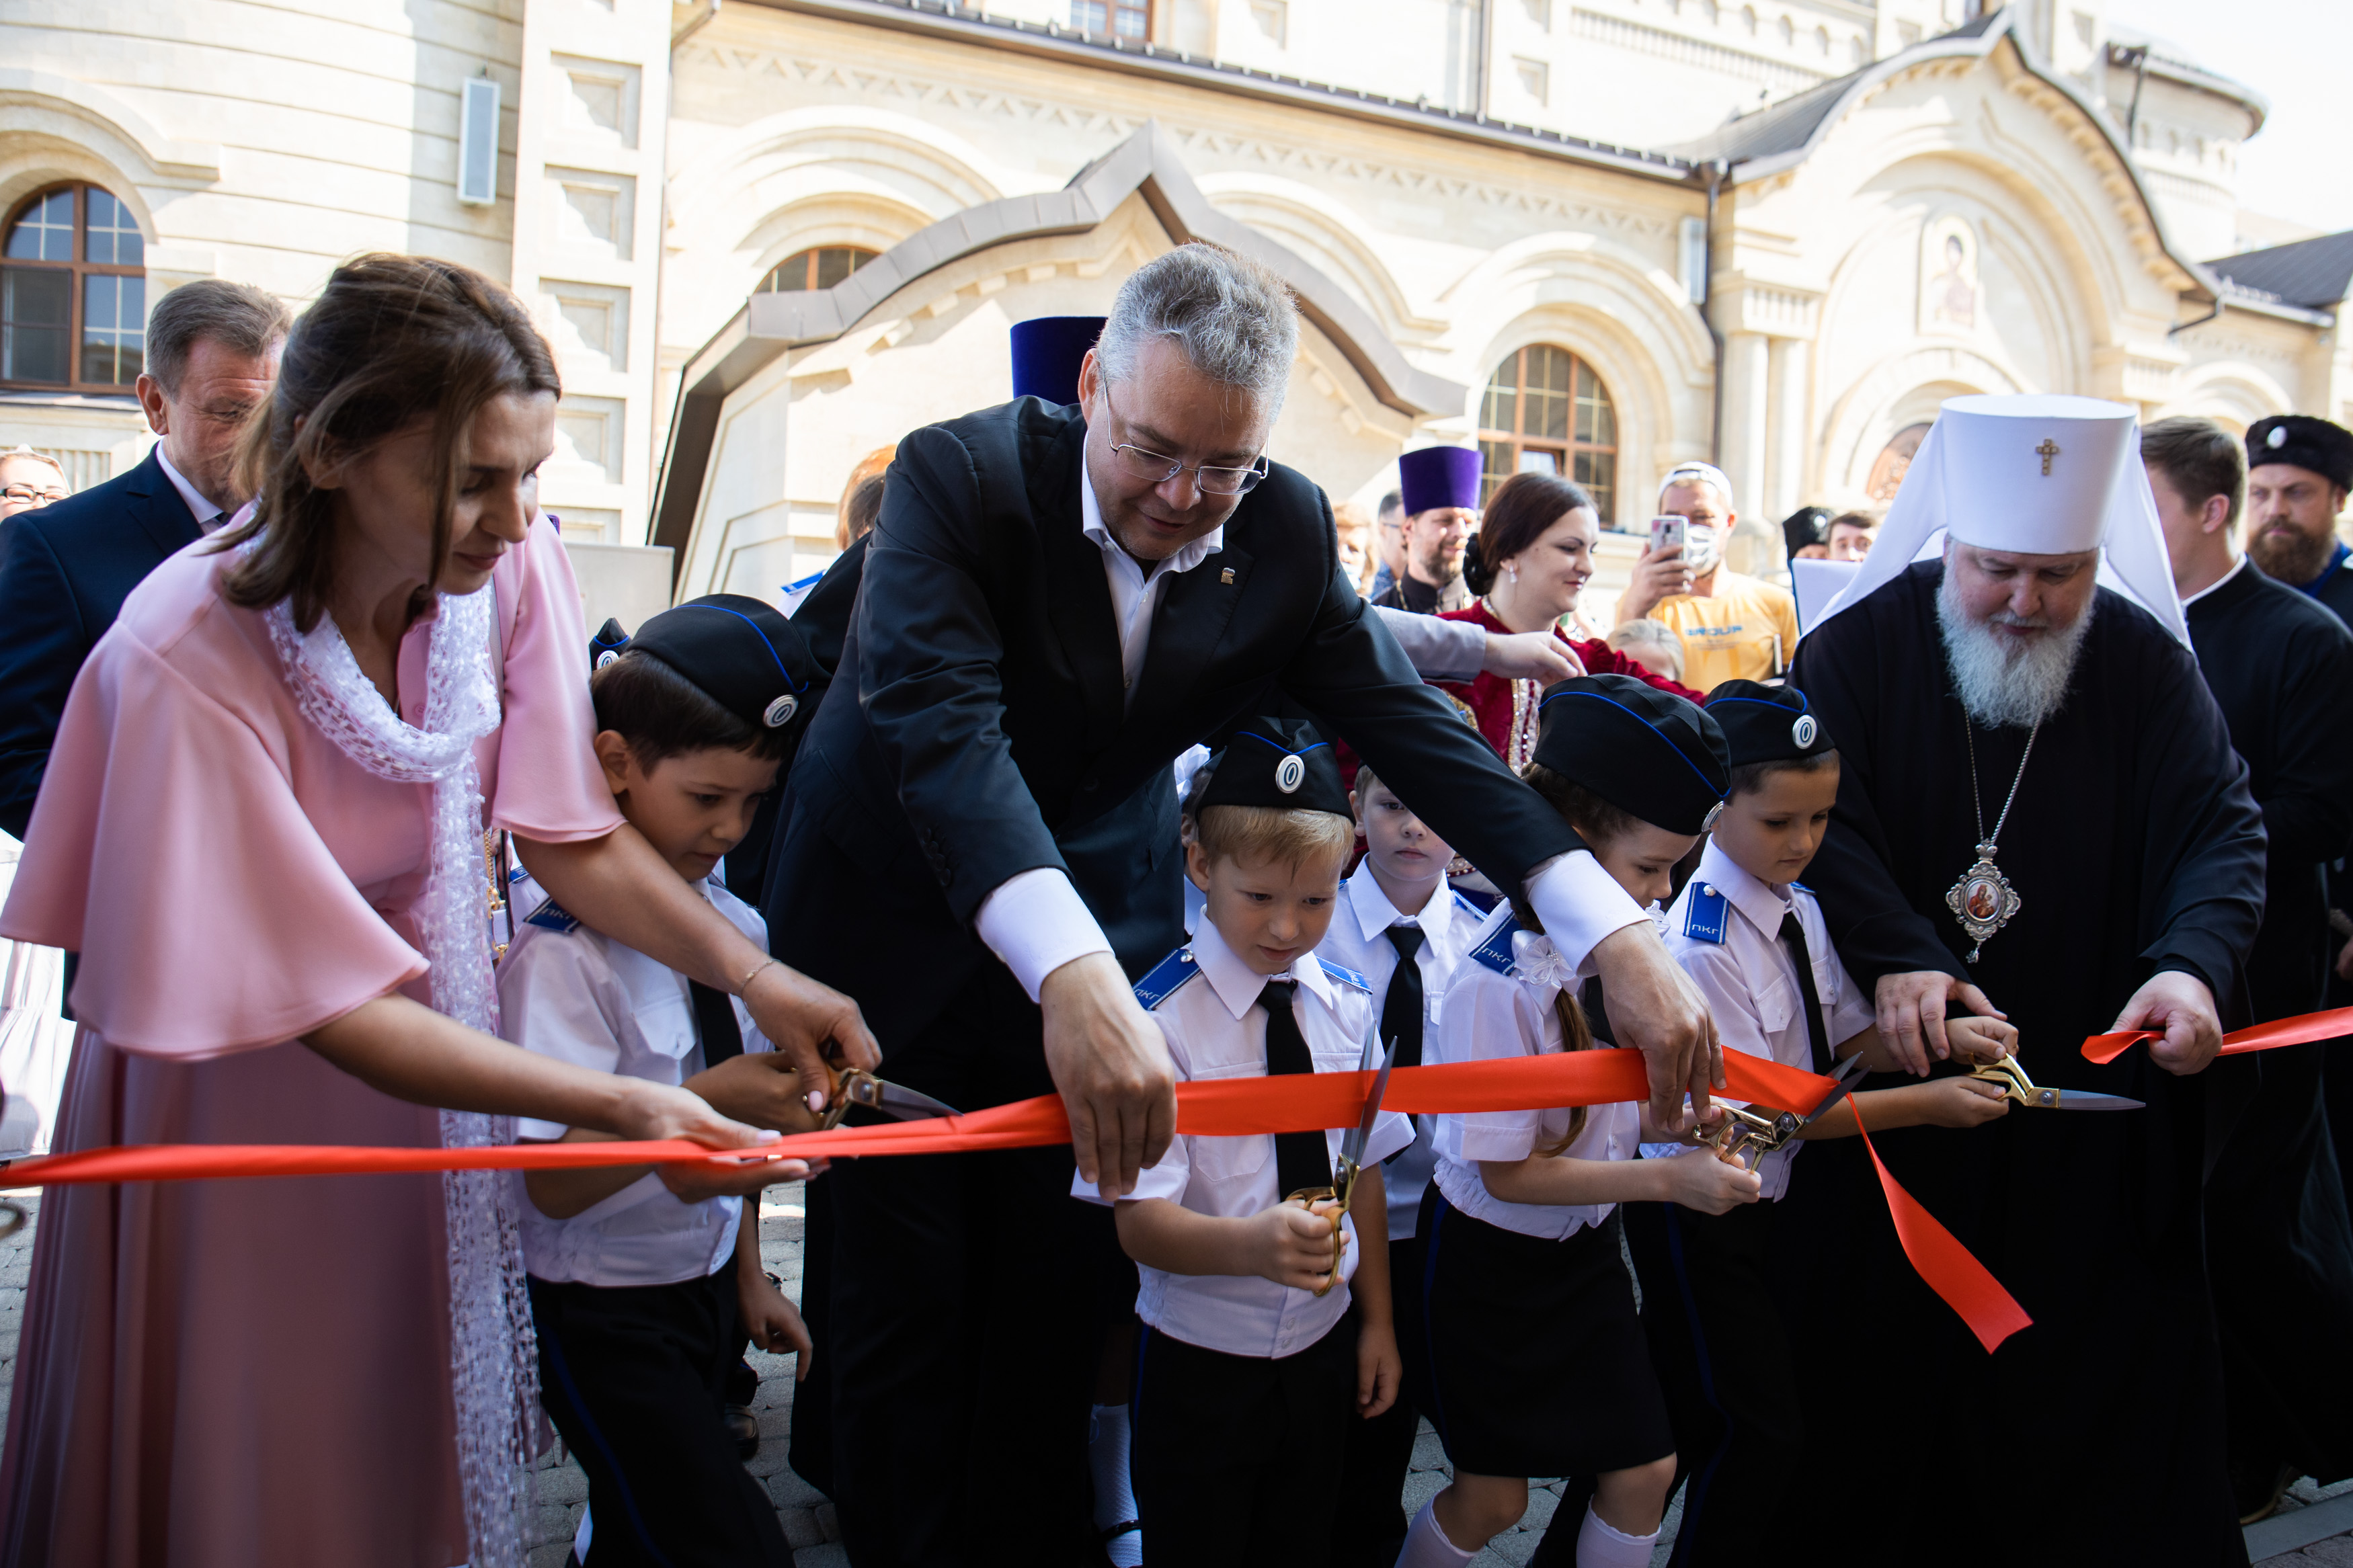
x,y
2039,812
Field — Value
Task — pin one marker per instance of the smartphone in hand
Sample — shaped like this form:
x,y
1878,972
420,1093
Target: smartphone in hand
x,y
1667,532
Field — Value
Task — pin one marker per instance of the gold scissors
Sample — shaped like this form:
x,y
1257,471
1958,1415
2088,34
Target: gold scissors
x,y
2005,1074
1747,1138
855,1088
1342,1190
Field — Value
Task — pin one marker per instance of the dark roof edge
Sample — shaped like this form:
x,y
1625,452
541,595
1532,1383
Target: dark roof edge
x,y
1145,164
1979,43
940,19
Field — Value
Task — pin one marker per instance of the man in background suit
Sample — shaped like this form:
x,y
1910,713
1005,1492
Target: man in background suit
x,y
65,570
979,845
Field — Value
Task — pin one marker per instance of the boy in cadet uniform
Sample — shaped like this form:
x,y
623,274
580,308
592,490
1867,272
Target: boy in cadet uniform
x,y
640,1297
1246,1378
1754,940
1403,928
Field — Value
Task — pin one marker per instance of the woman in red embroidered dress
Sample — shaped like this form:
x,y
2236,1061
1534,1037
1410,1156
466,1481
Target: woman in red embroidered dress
x,y
1534,555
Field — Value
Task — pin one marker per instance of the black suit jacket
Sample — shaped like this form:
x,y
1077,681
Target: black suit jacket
x,y
977,728
64,570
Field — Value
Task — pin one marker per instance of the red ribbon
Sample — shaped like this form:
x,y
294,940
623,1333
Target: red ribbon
x,y
1219,1107
2301,1030
1944,1263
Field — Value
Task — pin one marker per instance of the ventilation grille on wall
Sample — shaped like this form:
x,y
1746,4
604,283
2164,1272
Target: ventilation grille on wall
x,y
478,145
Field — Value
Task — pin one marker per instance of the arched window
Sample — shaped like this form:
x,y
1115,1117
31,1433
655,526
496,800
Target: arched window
x,y
73,292
819,269
1547,412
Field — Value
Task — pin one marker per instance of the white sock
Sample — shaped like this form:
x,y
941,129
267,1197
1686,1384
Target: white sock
x,y
1426,1545
1107,1446
1600,1545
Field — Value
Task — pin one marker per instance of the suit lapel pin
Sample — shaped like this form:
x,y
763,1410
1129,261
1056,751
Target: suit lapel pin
x,y
1226,577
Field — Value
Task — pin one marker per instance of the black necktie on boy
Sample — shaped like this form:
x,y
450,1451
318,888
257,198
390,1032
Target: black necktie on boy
x,y
1303,1161
1401,1009
714,1018
1818,1033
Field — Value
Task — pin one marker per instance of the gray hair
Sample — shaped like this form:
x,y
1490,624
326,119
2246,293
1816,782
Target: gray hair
x,y
237,316
1233,318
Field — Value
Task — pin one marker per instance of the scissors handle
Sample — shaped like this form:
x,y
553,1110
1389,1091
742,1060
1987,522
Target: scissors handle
x,y
851,1086
2007,1075
1341,1192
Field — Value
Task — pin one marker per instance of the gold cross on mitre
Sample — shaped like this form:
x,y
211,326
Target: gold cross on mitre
x,y
2048,450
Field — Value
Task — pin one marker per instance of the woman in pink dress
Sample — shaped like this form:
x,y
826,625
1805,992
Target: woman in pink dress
x,y
1534,555
261,828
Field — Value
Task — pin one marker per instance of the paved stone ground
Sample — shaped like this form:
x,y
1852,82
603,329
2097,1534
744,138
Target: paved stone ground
x,y
808,1517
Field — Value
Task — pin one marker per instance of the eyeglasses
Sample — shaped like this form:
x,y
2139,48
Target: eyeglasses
x,y
27,495
1146,464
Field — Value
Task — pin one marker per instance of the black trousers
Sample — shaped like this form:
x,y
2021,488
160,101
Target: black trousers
x,y
965,1329
633,1378
1368,1527
1723,1357
1231,1455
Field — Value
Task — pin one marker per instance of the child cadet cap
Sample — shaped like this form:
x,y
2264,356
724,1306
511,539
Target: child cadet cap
x,y
1277,762
2318,445
1644,750
607,645
1767,724
739,652
1432,477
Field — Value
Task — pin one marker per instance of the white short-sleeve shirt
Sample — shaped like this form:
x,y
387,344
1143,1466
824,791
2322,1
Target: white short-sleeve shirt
x,y
579,996
1499,1005
1726,931
1358,939
1205,999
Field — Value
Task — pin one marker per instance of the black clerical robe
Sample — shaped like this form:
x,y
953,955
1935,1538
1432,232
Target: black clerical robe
x,y
2095,1434
2279,1243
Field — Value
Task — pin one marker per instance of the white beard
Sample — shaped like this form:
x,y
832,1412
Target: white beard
x,y
2002,682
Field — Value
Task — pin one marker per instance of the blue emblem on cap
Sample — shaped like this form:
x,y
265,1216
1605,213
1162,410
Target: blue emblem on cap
x,y
1169,973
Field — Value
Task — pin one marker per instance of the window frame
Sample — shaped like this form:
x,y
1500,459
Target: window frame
x,y
811,254
1514,442
1112,8
82,271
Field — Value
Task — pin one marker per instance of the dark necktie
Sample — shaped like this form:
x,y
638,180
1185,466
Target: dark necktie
x,y
1302,1159
714,1018
1401,1011
1818,1033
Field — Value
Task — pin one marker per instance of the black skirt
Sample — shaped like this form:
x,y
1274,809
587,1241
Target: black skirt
x,y
1534,1359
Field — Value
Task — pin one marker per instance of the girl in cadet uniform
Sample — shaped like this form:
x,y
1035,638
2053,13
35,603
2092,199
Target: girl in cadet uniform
x,y
1533,1357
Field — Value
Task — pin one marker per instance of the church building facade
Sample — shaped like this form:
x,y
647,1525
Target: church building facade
x,y
767,237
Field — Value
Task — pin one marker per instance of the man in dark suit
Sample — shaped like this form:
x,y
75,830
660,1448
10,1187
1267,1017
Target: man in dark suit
x,y
980,847
65,570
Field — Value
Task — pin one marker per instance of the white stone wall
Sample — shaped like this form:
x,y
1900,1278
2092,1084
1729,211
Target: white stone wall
x,y
257,144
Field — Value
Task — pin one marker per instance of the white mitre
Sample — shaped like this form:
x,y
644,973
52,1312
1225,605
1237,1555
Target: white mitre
x,y
2033,474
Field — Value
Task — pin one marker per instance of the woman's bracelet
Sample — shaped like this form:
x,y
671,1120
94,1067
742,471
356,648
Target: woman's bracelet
x,y
754,974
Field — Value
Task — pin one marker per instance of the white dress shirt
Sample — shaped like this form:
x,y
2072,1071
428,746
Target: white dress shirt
x,y
1490,1016
208,516
1216,1029
1750,979
1358,939
578,996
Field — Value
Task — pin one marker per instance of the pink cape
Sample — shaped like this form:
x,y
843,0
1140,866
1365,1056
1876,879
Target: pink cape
x,y
251,1373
